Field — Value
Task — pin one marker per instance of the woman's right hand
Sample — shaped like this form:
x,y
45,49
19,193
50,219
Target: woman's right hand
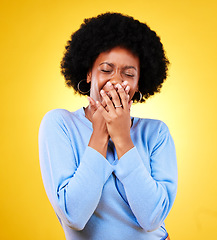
x,y
100,137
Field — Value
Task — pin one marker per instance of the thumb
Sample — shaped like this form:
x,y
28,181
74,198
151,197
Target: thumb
x,y
92,104
130,104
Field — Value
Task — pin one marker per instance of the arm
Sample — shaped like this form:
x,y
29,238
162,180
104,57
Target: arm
x,y
150,196
73,189
99,137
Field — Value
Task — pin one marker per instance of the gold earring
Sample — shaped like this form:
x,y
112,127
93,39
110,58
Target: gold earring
x,y
140,96
78,87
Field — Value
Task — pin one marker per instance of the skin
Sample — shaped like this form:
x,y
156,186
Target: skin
x,y
114,80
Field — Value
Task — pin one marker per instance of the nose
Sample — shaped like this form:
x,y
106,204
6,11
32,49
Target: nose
x,y
116,78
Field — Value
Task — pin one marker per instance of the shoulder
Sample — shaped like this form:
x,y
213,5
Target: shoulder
x,y
56,114
56,118
57,123
153,126
64,119
60,116
155,133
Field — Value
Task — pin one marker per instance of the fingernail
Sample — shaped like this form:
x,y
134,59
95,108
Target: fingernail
x,y
89,100
127,88
102,92
109,84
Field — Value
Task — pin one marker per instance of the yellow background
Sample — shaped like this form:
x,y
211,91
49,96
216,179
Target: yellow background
x,y
33,36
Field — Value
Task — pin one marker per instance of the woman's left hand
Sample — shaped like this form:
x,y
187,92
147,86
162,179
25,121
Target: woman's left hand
x,y
117,117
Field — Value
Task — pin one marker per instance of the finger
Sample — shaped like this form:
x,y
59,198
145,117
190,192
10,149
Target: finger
x,y
92,104
108,102
126,87
114,95
102,110
130,104
123,96
103,103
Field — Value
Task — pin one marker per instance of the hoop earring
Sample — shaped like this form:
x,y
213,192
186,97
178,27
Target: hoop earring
x,y
78,87
140,96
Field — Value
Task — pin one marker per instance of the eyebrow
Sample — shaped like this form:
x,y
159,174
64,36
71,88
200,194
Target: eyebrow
x,y
112,65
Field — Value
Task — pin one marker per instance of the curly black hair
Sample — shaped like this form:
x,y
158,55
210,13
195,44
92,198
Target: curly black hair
x,y
109,30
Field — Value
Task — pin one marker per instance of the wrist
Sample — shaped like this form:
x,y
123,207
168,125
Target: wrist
x,y
123,146
99,142
101,134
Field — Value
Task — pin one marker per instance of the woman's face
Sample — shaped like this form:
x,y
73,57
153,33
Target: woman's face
x,y
118,65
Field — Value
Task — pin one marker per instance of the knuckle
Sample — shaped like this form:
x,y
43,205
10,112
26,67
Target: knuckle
x,y
115,117
121,90
109,103
125,97
100,108
109,120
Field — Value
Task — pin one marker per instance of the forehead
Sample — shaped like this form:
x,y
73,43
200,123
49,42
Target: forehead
x,y
118,56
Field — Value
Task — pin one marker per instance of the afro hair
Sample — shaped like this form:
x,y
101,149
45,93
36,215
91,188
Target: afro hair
x,y
109,30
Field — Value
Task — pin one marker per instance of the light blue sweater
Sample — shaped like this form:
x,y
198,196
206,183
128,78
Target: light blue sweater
x,y
97,198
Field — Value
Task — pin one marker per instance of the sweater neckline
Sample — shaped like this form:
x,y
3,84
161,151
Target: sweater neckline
x,y
81,114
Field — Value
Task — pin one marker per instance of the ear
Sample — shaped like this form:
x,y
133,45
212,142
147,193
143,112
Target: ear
x,y
89,76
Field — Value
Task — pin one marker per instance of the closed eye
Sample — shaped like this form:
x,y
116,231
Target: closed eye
x,y
129,74
105,71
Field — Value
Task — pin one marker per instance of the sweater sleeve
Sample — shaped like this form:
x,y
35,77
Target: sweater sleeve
x,y
150,196
74,190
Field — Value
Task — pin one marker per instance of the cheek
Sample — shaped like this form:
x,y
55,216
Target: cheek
x,y
133,85
133,88
95,82
98,80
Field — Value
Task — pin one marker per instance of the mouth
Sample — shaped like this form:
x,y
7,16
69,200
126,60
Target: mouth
x,y
107,90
